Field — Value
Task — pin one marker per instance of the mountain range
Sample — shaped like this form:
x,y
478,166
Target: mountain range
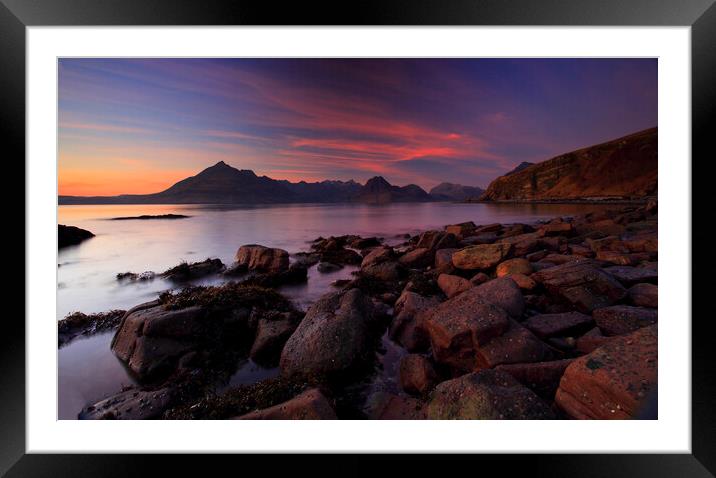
x,y
224,184
455,192
624,168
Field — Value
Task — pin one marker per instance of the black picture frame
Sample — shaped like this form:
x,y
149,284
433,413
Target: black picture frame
x,y
700,15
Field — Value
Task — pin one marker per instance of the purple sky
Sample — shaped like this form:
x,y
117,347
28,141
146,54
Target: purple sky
x,y
137,126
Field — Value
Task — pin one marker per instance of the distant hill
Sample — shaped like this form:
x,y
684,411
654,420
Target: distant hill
x,y
455,192
520,167
224,184
622,168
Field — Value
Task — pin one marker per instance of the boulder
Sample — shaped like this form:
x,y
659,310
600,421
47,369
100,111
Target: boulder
x,y
644,295
523,244
406,328
622,259
516,345
326,267
389,271
334,337
514,266
523,282
132,404
540,377
581,284
482,256
486,395
260,258
271,334
560,228
479,278
461,230
609,243
553,325
623,319
434,240
644,242
71,235
377,255
443,257
388,406
188,271
559,259
417,375
633,275
614,381
591,341
309,405
453,285
504,293
364,242
417,258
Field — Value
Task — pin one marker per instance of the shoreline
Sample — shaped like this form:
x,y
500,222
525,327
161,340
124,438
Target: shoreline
x,y
423,295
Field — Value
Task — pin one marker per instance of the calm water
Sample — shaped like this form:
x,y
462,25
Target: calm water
x,y
86,273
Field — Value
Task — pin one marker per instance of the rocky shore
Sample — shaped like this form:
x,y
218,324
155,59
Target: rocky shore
x,y
556,320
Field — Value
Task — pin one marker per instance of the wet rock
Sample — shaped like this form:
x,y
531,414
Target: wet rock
x,y
417,375
417,258
134,277
260,258
614,381
489,228
541,377
591,341
364,242
461,230
622,259
325,267
479,278
388,406
189,271
309,405
483,256
306,259
78,324
407,327
453,285
335,337
623,319
523,244
560,228
609,243
486,395
581,284
644,242
514,266
644,295
71,235
378,255
553,325
504,293
271,334
132,404
296,274
484,238
389,271
434,240
633,275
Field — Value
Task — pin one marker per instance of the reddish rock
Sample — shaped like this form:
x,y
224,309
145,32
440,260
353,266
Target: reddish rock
x,y
644,242
523,244
417,375
523,282
434,240
581,284
558,259
557,229
260,258
483,256
417,258
389,271
461,230
453,285
633,275
504,293
644,295
609,243
461,324
309,405
580,250
516,345
495,227
271,334
623,319
552,325
377,255
591,341
486,395
406,328
514,266
388,406
622,259
540,377
552,243
536,256
612,382
605,226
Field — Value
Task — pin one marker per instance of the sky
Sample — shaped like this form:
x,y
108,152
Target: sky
x,y
132,126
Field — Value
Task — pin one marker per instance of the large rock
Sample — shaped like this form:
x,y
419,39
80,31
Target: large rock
x,y
407,327
504,293
633,275
623,319
461,230
514,266
581,284
434,240
453,285
516,345
417,258
132,404
553,325
482,256
486,395
417,375
71,235
309,405
644,295
388,406
194,270
389,271
614,381
150,339
272,333
261,258
541,377
443,257
334,337
377,256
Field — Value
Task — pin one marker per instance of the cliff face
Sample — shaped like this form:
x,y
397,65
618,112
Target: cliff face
x,y
622,168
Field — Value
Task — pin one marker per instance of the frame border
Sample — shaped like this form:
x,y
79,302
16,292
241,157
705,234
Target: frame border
x,y
700,15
